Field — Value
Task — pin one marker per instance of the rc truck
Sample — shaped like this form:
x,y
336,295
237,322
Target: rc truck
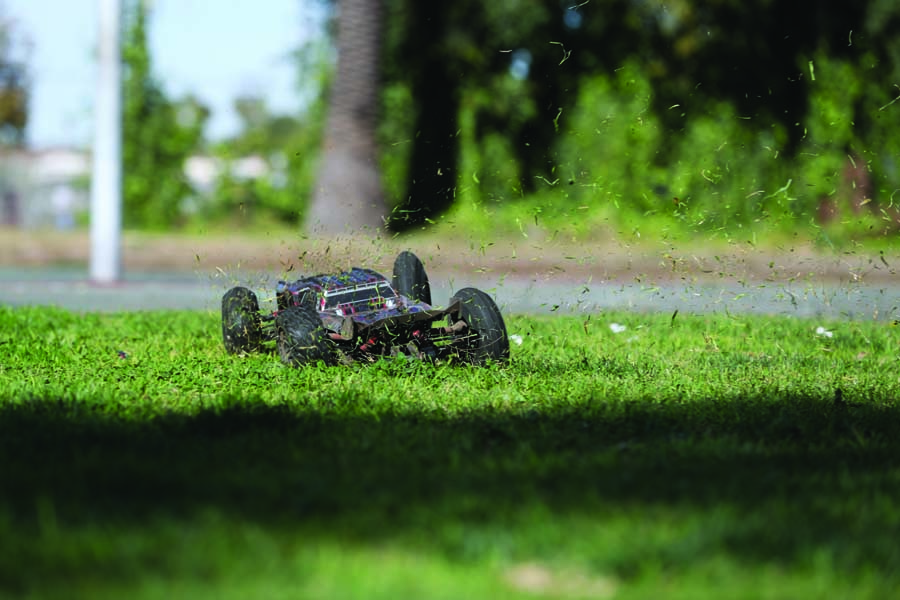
x,y
360,315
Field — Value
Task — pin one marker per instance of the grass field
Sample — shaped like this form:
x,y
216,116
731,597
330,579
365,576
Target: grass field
x,y
617,456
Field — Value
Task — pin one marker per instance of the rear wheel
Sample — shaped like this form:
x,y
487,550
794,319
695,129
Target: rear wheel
x,y
410,279
485,335
241,325
301,338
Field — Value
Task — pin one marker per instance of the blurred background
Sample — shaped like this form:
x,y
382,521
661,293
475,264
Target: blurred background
x,y
596,118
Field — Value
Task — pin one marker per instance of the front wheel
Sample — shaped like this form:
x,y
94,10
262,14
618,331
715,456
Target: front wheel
x,y
241,325
301,338
410,279
485,335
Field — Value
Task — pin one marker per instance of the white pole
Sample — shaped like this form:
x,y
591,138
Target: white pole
x,y
106,180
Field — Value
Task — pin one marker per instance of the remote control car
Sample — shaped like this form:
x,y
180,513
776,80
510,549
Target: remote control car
x,y
359,315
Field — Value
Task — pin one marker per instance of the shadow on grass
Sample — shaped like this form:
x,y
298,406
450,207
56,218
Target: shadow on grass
x,y
795,475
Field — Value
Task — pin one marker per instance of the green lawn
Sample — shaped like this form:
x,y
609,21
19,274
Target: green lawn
x,y
685,456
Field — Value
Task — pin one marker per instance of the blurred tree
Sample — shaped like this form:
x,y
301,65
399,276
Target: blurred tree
x,y
507,63
753,54
517,68
430,69
267,170
14,86
348,195
260,131
510,73
277,147
159,134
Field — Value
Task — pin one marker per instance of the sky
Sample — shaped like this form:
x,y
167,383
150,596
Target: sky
x,y
215,49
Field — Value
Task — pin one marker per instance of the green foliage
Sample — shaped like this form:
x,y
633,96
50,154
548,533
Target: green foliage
x,y
718,455
847,164
728,172
829,135
159,134
738,116
280,193
610,148
395,137
691,120
880,116
492,156
615,165
287,146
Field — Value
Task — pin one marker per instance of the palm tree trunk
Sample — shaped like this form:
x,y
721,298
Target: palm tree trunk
x,y
348,196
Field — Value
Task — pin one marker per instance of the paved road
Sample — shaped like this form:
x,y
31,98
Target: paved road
x,y
144,291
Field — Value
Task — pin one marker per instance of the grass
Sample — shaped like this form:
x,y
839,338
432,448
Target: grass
x,y
685,456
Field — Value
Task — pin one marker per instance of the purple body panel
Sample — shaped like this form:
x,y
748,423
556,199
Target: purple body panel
x,y
361,295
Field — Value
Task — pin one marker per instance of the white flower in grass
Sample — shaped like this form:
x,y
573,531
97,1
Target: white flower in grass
x,y
616,328
516,339
821,331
